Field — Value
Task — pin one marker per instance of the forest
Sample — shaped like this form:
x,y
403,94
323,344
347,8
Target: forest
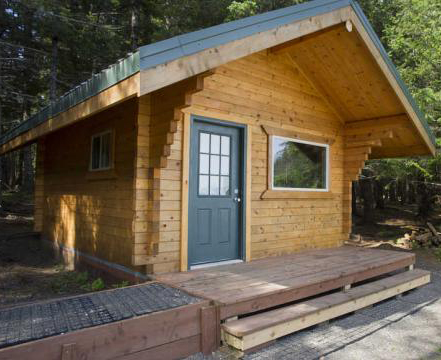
x,y
47,47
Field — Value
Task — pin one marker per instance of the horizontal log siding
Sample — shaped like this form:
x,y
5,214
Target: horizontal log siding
x,y
82,210
268,90
158,177
262,89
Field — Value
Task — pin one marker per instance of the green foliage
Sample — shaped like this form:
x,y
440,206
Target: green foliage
x,y
66,281
72,281
93,34
97,285
413,40
241,9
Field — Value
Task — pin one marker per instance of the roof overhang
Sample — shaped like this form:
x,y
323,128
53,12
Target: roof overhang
x,y
169,61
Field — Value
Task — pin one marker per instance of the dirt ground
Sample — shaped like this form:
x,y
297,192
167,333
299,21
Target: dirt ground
x,y
28,269
391,224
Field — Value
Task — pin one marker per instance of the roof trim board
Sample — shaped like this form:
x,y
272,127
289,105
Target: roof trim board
x,y
392,69
197,41
153,60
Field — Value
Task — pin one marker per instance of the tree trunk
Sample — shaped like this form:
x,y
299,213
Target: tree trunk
x,y
401,187
367,194
28,170
379,194
393,191
425,200
354,198
412,195
53,87
134,29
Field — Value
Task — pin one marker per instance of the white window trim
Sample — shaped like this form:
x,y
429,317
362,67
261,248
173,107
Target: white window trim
x,y
111,150
326,146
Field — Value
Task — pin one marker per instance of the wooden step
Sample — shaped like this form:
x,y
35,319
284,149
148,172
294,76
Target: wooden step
x,y
253,331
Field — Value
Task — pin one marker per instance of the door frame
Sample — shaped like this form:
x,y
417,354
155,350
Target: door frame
x,y
245,181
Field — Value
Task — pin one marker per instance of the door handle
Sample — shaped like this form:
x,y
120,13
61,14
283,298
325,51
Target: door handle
x,y
237,199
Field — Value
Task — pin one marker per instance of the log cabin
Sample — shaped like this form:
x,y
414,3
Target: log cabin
x,y
228,144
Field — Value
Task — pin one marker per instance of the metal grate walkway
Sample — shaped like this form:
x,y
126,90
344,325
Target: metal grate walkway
x,y
37,321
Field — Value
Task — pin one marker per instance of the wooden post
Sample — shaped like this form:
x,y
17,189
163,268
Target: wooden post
x,y
210,329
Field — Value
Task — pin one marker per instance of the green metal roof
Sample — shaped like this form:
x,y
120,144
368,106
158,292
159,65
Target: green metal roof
x,y
162,52
99,82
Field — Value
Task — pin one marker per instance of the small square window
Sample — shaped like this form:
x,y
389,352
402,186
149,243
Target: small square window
x,y
101,151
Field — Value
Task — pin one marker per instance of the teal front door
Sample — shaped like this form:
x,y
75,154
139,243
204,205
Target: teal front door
x,y
215,192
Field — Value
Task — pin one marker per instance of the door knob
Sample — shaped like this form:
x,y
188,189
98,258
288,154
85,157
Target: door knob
x,y
237,199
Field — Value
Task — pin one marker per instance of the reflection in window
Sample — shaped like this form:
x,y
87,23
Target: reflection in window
x,y
299,165
214,164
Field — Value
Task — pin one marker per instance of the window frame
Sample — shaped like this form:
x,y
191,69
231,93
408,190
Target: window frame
x,y
112,150
271,164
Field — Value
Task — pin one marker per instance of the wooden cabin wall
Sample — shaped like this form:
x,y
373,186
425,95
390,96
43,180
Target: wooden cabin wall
x,y
261,89
90,211
267,89
158,177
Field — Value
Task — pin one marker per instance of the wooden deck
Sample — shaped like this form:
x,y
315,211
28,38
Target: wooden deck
x,y
248,287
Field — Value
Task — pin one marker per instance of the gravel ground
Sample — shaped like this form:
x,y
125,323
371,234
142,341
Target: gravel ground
x,y
404,328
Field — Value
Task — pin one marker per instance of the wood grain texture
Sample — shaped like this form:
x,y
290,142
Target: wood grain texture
x,y
265,283
93,215
171,333
346,68
247,91
191,65
255,330
159,171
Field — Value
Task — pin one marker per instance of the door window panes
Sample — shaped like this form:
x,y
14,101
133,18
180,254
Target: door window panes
x,y
225,185
214,185
225,165
204,161
225,148
204,143
215,144
203,184
214,164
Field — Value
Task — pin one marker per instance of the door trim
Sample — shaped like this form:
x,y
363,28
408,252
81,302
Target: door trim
x,y
245,162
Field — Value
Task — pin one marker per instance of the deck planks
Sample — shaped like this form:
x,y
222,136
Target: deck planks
x,y
259,284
